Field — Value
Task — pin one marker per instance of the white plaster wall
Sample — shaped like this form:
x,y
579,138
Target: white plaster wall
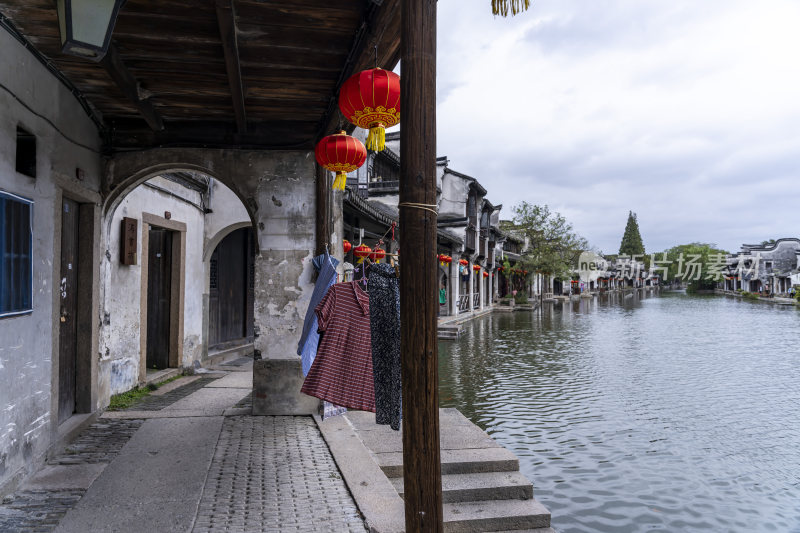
x,y
120,335
31,97
227,210
455,191
286,233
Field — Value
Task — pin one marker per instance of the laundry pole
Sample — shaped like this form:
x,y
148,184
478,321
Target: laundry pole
x,y
422,472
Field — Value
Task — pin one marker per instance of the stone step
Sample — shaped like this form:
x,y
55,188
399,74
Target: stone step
x,y
466,461
480,487
534,530
495,515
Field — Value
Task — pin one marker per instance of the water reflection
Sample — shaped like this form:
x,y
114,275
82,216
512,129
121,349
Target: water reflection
x,y
670,413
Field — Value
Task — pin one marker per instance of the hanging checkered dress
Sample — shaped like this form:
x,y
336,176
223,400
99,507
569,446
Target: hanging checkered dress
x,y
342,371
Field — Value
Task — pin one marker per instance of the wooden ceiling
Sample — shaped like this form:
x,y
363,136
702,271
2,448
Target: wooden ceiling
x,y
220,73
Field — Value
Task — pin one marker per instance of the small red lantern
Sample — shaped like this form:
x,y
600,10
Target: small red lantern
x,y
463,262
341,154
485,274
362,251
500,268
346,245
476,268
377,254
524,272
444,259
371,100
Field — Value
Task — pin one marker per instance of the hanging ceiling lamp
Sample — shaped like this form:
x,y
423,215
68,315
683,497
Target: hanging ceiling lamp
x,y
371,100
86,26
341,154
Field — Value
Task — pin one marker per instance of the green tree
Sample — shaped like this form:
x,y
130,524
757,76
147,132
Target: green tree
x,y
552,245
504,7
631,240
698,264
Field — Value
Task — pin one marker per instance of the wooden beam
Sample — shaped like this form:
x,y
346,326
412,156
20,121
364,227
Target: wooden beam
x,y
380,27
226,18
323,194
127,83
422,472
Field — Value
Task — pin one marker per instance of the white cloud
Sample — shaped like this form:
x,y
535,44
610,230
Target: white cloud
x,y
682,111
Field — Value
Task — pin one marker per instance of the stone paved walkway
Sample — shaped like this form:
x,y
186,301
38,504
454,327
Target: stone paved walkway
x,y
274,473
271,474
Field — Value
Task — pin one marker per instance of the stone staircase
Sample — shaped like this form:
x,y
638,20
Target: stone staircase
x,y
449,332
482,490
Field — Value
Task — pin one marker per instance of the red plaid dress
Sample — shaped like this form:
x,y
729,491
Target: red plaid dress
x,y
342,370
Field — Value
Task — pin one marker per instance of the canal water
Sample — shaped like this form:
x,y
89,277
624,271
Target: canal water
x,y
665,413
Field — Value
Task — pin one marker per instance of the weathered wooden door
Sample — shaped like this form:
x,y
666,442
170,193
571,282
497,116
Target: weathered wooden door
x,y
231,289
68,327
159,285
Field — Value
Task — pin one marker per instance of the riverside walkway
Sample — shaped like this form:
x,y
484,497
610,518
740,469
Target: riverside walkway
x,y
189,457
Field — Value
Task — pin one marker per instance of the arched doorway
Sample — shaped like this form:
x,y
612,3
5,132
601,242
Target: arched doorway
x,y
231,291
154,282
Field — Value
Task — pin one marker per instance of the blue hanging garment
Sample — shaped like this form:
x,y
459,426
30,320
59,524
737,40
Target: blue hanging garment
x,y
309,340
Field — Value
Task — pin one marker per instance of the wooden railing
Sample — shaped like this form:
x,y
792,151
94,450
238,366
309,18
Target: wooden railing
x,y
463,303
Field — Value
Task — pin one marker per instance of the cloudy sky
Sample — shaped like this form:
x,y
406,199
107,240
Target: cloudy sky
x,y
686,112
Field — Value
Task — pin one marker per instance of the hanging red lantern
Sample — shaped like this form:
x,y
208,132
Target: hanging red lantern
x,y
463,262
362,251
346,245
341,154
448,260
377,254
476,268
500,268
371,100
485,274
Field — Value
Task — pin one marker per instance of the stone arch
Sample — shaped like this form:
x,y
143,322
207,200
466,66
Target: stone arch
x,y
125,171
212,243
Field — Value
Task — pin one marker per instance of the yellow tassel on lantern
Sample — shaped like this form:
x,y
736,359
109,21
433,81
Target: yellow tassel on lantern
x,y
340,181
376,140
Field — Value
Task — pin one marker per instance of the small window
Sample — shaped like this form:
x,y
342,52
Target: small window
x,y
768,264
16,261
26,153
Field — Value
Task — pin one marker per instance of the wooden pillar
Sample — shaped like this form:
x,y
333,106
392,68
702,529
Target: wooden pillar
x,y
323,214
422,471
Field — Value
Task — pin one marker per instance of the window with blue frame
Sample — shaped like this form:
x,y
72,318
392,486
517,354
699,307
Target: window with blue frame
x,y
16,255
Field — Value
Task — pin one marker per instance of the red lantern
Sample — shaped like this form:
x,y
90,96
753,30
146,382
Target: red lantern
x,y
448,260
476,268
346,245
362,251
341,154
485,274
377,254
463,262
371,100
500,268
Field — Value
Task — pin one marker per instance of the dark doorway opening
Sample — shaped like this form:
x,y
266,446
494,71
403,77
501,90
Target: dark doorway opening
x,y
159,289
68,315
231,291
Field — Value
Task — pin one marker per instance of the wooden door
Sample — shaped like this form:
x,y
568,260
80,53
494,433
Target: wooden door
x,y
68,327
231,289
159,285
